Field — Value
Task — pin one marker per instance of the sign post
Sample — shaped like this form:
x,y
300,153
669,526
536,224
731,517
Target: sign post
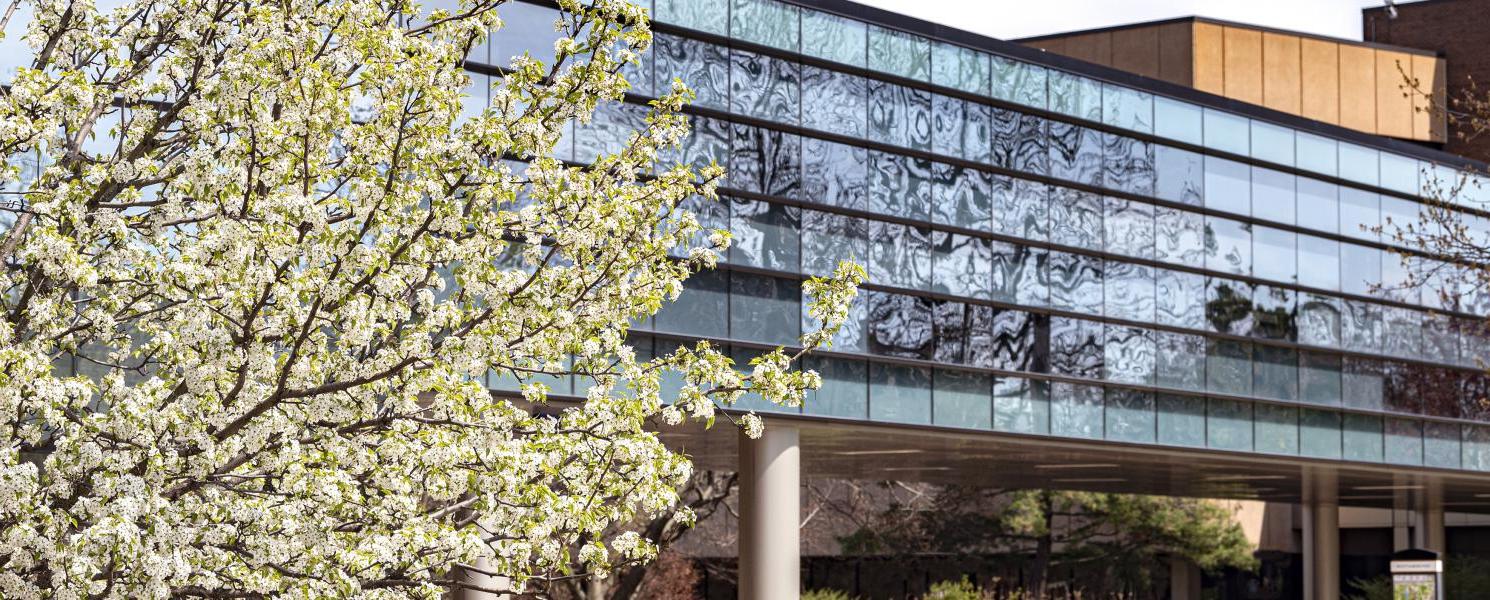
x,y
1417,575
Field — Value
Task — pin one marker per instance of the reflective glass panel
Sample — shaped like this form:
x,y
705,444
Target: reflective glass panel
x,y
1226,132
1272,143
845,390
1127,108
959,68
899,53
1276,429
962,399
1019,82
1130,416
1181,420
832,37
1179,175
1177,120
1363,439
1076,410
1315,153
836,102
1021,405
765,234
1074,95
1229,425
1228,186
1319,433
1273,195
1318,205
899,325
766,22
899,393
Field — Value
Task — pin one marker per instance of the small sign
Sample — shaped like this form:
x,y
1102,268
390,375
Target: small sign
x,y
1417,566
1414,586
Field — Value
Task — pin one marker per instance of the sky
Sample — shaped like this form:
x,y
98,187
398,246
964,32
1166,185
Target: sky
x,y
1009,19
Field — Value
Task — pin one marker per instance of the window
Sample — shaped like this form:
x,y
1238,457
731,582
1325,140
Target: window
x,y
1021,405
834,101
1180,298
1228,246
1319,320
765,22
961,265
703,15
899,115
1360,213
1316,153
899,53
960,68
1273,195
828,238
1076,347
900,185
962,399
701,309
765,234
1319,433
1074,95
1177,120
1404,442
1226,132
832,37
1275,372
1399,173
899,255
899,325
1019,141
899,393
1128,164
963,333
703,66
845,390
1319,378
961,129
1128,227
1441,445
1076,218
1075,153
1274,254
1076,410
1274,313
1130,416
1402,332
1181,420
1021,208
1272,143
1361,383
1228,367
1360,269
1127,108
1319,262
708,140
1363,438
962,197
1228,306
1229,425
1075,282
1276,429
1019,82
764,309
1179,237
835,174
1129,292
1227,186
1318,205
1013,343
766,161
1180,360
1179,175
1129,355
1019,274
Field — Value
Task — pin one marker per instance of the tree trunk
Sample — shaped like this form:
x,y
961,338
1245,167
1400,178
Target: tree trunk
x,y
1040,569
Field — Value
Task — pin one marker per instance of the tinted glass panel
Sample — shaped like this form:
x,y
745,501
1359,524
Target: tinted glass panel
x,y
765,22
703,66
899,255
962,399
1076,410
1229,425
1021,405
1019,82
899,53
900,394
1181,420
1127,108
832,37
836,102
1130,416
845,390
764,309
1276,429
899,325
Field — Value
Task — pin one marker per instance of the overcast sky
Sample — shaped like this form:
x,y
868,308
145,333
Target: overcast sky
x,y
1009,19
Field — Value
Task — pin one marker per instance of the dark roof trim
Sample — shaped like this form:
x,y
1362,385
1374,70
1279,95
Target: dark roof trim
x,y
1225,23
891,20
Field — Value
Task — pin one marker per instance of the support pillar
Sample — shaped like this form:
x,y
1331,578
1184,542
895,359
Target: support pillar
x,y
770,511
1184,579
1430,530
1322,550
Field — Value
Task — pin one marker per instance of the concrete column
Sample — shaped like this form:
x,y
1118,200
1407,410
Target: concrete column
x,y
770,508
1322,550
1184,579
1430,529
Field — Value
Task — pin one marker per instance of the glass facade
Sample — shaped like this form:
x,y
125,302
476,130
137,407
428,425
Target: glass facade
x,y
1057,255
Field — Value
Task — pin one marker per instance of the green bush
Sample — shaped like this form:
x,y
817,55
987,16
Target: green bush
x,y
826,595
955,590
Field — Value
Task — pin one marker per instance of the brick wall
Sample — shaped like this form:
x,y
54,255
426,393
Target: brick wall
x,y
1459,30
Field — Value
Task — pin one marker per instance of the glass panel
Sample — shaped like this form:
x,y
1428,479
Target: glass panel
x,y
764,234
1076,347
1075,153
766,161
832,37
764,309
962,197
961,129
1361,383
1476,446
899,393
963,333
1319,320
1228,246
1076,410
1274,254
1363,439
899,255
703,66
1319,433
1021,405
1226,132
828,238
899,115
1319,262
1130,416
850,337
1404,442
1402,332
1076,218
1181,420
961,265
1075,282
1177,120
899,325
1181,361
1129,292
765,22
1128,227
1318,205
1180,237
704,15
1018,82
845,390
899,53
1229,425
1275,372
1019,275
1315,153
1128,164
1127,108
1276,428
1272,143
1441,445
960,68
1180,299
1360,269
1228,367
1075,95
707,141
1273,195
1319,378
1274,313
701,308
835,174
900,185
1360,213
1013,342
609,130
1399,173
1019,142
1227,186
1129,355
1021,208
962,399
836,102
1228,306
1358,163
1179,175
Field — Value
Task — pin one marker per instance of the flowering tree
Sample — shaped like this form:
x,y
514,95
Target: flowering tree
x,y
256,268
